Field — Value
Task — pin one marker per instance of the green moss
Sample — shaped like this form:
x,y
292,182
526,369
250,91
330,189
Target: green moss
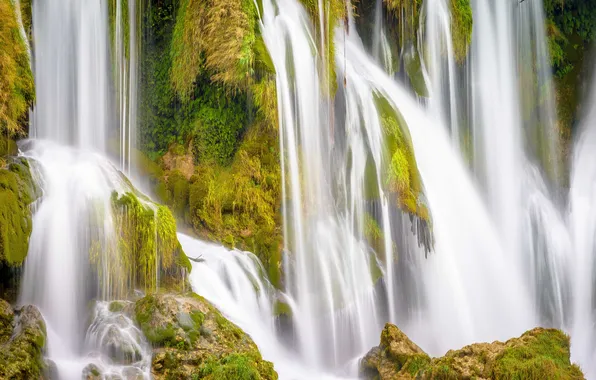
x,y
242,201
402,176
116,306
17,91
22,356
282,308
234,366
17,191
417,364
147,243
461,28
545,355
571,25
216,132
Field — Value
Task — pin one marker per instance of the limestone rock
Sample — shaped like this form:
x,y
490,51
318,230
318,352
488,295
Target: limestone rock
x,y
191,339
537,354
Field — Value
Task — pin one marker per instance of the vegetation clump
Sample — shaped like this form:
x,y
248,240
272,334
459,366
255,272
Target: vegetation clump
x,y
17,192
147,250
403,177
17,91
22,341
537,354
461,28
191,339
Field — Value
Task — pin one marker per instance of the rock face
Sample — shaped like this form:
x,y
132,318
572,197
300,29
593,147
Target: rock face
x,y
22,340
191,339
537,354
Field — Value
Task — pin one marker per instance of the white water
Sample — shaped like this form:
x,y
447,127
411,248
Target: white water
x,y
126,79
233,281
503,254
73,256
505,258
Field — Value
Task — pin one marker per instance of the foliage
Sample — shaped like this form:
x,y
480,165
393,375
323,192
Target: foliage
x,y
162,122
216,36
567,19
240,204
177,104
218,123
16,79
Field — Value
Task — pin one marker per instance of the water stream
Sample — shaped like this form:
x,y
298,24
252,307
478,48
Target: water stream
x,y
508,253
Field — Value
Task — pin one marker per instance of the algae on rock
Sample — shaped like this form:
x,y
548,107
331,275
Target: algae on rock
x,y
191,339
538,354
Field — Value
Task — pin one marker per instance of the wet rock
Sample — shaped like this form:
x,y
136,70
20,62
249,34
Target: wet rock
x,y
120,347
537,354
50,372
21,354
92,372
191,339
132,373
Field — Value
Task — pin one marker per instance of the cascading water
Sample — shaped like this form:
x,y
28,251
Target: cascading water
x,y
125,58
504,260
501,262
74,227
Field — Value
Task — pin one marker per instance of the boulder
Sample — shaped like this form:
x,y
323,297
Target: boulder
x,y
24,335
538,354
191,339
92,372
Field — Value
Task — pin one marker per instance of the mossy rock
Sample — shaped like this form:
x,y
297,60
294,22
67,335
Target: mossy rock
x,y
17,192
21,356
191,339
17,88
148,243
537,354
8,147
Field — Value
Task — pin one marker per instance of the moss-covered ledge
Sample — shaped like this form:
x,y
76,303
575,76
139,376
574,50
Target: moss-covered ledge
x,y
192,339
538,354
17,193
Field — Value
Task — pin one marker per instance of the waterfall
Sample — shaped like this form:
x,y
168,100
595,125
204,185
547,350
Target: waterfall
x,y
582,221
507,255
501,256
233,281
125,46
73,255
